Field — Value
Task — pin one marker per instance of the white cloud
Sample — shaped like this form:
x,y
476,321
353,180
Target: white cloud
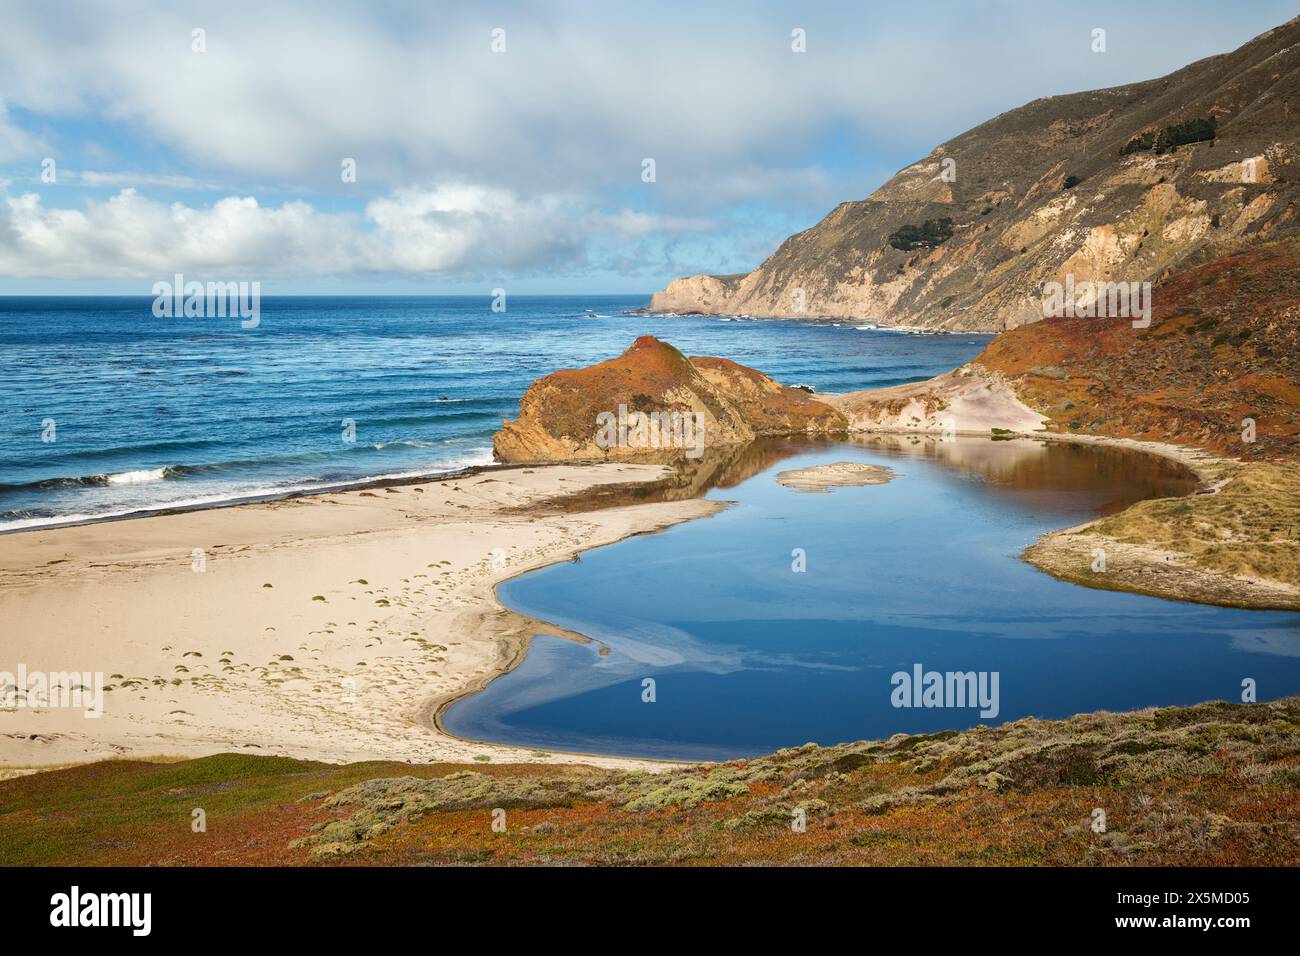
x,y
456,229
133,180
551,134
628,222
444,229
414,93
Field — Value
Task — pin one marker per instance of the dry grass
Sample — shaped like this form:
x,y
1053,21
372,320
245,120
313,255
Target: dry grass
x,y
1251,528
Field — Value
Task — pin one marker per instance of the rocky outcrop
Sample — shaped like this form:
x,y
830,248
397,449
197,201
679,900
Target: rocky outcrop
x,y
1043,192
652,403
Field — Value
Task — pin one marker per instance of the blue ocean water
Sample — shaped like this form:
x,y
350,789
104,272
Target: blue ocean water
x,y
748,655
152,412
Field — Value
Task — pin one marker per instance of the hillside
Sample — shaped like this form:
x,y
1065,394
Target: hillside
x,y
1104,186
1213,381
1223,347
1218,369
1213,784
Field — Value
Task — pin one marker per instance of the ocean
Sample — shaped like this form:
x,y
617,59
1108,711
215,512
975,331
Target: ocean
x,y
109,411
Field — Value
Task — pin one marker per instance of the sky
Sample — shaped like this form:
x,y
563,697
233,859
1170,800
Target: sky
x,y
446,148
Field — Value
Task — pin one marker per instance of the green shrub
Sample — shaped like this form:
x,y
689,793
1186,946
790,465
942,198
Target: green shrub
x,y
929,234
1180,134
1171,137
1137,143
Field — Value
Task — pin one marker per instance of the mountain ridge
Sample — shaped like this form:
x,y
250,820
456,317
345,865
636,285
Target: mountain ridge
x,y
1043,191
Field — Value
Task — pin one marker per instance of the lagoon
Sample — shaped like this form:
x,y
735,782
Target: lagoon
x,y
748,654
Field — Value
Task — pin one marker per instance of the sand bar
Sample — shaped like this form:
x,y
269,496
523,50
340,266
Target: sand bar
x,y
380,606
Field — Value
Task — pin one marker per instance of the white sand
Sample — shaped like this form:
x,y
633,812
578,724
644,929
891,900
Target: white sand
x,y
840,474
355,676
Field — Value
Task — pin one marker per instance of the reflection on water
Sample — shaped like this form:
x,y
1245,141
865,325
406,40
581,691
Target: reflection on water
x,y
1103,480
748,655
1022,465
722,467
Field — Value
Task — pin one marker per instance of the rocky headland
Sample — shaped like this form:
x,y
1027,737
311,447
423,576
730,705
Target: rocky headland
x,y
602,412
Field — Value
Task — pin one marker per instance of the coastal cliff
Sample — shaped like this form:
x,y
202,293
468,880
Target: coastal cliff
x,y
1122,184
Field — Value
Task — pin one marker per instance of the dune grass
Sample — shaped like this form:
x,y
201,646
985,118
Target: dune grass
x,y
1250,528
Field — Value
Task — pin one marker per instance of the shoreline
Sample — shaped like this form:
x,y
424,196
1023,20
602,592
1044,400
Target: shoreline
x,y
1172,573
499,637
361,484
816,319
82,598
1191,566
433,710
1145,568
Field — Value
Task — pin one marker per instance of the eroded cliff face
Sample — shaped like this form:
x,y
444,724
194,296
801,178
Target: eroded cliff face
x,y
1044,192
652,403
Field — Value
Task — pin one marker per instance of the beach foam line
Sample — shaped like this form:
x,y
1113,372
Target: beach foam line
x,y
168,472
136,477
478,458
107,478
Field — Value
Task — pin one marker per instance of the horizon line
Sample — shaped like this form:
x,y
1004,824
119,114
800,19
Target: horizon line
x,y
324,295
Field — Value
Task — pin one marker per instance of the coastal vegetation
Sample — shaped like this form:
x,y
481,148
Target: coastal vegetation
x,y
1238,546
1249,528
1217,370
1212,784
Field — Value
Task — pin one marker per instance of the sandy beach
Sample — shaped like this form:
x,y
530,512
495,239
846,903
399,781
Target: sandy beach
x,y
328,626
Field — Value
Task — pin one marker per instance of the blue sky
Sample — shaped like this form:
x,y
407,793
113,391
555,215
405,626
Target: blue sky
x,y
519,168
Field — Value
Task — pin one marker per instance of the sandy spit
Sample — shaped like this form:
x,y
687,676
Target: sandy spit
x,y
327,627
1143,568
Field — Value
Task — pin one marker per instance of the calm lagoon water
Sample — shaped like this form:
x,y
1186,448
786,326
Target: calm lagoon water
x,y
749,656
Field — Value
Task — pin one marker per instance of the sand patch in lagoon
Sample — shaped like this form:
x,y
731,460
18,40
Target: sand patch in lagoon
x,y
839,474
